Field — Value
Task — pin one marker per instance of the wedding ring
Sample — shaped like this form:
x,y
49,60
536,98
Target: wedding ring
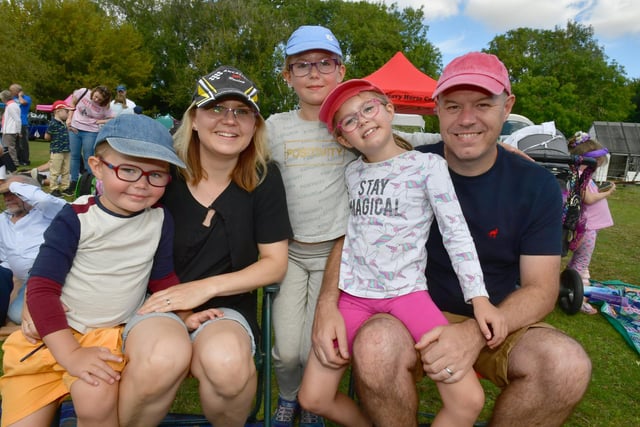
x,y
449,371
168,301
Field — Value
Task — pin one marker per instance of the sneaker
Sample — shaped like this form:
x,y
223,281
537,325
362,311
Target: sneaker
x,y
70,190
56,193
285,413
309,419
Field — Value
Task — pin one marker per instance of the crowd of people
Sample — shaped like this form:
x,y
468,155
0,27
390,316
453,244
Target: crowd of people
x,y
329,202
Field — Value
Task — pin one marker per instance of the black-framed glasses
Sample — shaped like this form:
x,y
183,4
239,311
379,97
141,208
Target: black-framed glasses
x,y
241,114
324,66
131,173
368,110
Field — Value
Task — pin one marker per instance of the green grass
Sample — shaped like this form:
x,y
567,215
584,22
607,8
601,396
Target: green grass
x,y
611,399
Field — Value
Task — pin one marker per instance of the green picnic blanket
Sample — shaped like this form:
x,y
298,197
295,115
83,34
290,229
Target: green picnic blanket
x,y
620,304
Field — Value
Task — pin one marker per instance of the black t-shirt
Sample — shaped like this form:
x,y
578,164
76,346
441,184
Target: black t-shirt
x,y
513,209
229,242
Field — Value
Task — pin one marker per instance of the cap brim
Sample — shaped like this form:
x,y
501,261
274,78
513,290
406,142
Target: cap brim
x,y
339,95
476,80
145,150
221,96
306,46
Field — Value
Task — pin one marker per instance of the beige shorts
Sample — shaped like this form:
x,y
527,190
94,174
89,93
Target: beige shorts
x,y
38,380
493,365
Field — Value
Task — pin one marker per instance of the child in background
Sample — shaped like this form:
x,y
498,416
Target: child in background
x,y
394,195
595,209
60,157
99,258
312,166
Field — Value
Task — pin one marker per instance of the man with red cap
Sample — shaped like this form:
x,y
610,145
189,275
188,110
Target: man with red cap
x,y
513,208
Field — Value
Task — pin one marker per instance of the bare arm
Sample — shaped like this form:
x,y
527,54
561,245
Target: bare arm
x,y
328,324
270,268
457,346
590,198
537,295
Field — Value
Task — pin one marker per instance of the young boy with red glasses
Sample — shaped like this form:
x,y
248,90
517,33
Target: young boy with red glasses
x,y
100,257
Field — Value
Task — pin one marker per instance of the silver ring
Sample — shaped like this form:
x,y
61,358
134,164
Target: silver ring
x,y
449,371
168,301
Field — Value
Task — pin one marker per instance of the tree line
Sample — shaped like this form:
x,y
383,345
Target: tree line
x,y
159,49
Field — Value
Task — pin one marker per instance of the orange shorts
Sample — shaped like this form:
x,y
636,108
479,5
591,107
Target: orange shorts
x,y
39,380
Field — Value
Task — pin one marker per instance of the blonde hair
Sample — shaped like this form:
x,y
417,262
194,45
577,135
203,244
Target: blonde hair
x,y
121,99
581,143
251,167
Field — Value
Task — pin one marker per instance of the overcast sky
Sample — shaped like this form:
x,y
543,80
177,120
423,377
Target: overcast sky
x,y
460,26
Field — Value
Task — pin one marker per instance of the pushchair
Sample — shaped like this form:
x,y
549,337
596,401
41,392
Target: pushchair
x,y
548,148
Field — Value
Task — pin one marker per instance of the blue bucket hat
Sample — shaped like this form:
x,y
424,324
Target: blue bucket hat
x,y
312,37
139,136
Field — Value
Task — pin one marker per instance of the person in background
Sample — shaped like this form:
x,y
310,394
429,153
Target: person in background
x,y
595,209
24,101
59,157
121,98
28,213
232,230
395,194
514,211
312,164
91,111
11,128
119,105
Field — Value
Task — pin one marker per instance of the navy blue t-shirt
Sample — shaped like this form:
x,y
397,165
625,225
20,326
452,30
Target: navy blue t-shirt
x,y
513,209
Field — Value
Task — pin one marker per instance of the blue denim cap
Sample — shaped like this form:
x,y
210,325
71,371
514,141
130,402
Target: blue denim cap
x,y
223,83
139,136
312,37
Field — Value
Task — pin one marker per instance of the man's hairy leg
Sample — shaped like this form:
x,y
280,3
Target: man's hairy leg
x,y
549,373
384,364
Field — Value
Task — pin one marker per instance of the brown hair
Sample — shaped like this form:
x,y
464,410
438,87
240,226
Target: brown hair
x,y
105,92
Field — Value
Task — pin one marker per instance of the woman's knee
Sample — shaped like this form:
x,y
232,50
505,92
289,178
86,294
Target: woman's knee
x,y
224,361
149,354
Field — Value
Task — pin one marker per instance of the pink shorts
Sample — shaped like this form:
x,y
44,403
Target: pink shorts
x,y
415,310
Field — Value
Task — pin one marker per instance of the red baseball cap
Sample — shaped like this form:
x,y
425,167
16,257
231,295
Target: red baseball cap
x,y
478,69
60,105
339,95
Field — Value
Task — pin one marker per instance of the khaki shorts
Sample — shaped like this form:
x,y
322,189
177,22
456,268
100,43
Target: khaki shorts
x,y
493,365
38,380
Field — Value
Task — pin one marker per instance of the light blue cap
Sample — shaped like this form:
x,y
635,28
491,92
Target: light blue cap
x,y
312,37
139,136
